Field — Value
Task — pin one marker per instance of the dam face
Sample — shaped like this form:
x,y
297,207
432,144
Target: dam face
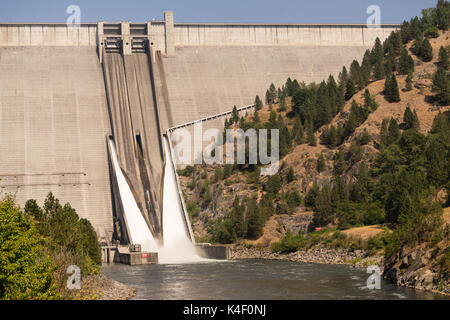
x,y
65,91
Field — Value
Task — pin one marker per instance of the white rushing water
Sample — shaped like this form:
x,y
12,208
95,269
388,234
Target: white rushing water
x,y
138,228
177,247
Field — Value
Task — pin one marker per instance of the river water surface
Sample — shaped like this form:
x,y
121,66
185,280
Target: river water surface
x,y
254,279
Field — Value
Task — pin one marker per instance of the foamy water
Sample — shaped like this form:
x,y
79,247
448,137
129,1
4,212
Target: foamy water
x,y
177,247
139,231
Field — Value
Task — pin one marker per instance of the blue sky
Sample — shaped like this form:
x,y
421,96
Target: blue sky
x,y
250,11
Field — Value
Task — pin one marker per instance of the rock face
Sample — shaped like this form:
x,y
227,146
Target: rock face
x,y
420,268
296,223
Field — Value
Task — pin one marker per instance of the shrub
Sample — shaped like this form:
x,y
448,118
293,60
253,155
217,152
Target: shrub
x,y
288,243
431,32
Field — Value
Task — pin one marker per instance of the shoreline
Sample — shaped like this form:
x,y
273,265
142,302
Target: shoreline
x,y
321,255
101,287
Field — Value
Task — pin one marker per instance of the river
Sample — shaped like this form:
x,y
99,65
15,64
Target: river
x,y
254,279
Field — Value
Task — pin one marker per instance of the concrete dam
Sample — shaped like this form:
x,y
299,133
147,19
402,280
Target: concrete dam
x,y
67,91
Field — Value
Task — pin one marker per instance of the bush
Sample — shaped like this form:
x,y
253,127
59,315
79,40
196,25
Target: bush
x,y
288,243
25,266
193,209
186,172
431,32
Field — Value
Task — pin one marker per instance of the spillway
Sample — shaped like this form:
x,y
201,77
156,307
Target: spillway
x,y
138,229
177,246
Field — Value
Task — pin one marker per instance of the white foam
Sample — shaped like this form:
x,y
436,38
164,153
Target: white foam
x,y
177,247
138,228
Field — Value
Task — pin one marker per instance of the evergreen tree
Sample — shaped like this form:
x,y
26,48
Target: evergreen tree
x,y
417,47
378,73
406,63
321,163
410,119
254,220
310,137
332,137
311,196
408,86
258,103
393,132
339,163
391,89
323,211
298,132
384,133
443,58
394,90
234,116
441,86
443,14
426,51
355,73
349,89
365,138
237,218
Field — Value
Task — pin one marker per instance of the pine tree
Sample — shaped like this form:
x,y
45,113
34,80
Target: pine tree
x,y
364,138
408,86
254,220
349,89
332,137
443,58
394,90
443,14
272,93
393,132
384,134
237,218
417,48
298,131
406,63
355,73
258,103
310,137
441,85
323,211
391,90
339,163
321,163
426,51
410,119
378,72
234,115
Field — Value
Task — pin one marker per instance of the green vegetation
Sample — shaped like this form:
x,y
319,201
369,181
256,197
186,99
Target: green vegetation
x,y
38,244
330,238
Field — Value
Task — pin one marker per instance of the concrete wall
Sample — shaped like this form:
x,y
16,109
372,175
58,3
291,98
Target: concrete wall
x,y
53,123
205,80
47,34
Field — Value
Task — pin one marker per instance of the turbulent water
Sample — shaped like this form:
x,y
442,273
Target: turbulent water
x,y
177,247
255,279
139,231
